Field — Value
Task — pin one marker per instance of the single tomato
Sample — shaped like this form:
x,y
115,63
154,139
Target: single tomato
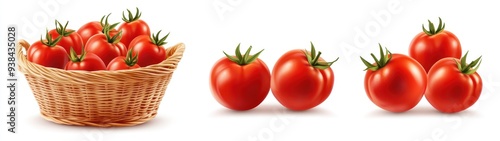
x,y
86,61
301,79
123,62
396,82
96,27
431,45
69,39
105,46
149,49
453,84
132,27
47,53
240,82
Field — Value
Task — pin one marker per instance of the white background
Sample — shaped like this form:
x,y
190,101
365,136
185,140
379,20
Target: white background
x,y
188,110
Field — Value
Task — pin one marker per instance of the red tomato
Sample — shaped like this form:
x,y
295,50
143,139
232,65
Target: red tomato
x,y
88,30
87,62
133,27
92,28
47,53
430,46
123,62
149,49
396,82
302,80
70,39
105,46
453,84
241,82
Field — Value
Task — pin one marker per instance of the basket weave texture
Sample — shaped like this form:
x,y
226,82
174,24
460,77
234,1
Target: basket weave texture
x,y
99,98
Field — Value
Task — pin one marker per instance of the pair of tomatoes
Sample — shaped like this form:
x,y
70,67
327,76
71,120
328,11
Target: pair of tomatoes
x,y
97,45
300,80
397,82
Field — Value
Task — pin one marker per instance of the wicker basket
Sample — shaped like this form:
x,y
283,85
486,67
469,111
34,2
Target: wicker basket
x,y
99,98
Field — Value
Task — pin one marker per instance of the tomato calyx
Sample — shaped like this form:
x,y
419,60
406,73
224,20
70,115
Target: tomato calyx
x,y
155,39
471,68
313,59
130,59
49,41
131,17
104,23
73,56
111,39
432,30
243,59
61,30
384,59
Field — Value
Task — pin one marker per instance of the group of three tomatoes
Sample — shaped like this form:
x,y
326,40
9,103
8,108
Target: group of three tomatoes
x,y
301,79
97,45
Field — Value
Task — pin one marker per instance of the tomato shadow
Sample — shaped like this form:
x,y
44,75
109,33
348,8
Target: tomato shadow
x,y
317,111
420,111
272,110
468,113
417,111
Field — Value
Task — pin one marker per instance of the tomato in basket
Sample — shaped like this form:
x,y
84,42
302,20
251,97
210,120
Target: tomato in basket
x,y
47,53
123,62
69,39
86,61
105,46
132,27
96,27
149,49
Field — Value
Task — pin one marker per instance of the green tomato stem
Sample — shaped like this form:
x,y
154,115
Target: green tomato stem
x,y
73,57
432,30
379,63
155,39
131,59
49,41
468,69
61,30
313,59
131,17
243,59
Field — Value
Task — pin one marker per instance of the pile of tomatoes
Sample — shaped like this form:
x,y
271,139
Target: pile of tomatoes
x,y
98,45
300,80
434,68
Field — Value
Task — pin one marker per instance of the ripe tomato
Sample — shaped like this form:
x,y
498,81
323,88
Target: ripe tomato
x,y
86,61
302,80
105,46
453,84
88,30
149,49
95,27
241,82
47,53
430,46
123,62
396,82
133,27
70,39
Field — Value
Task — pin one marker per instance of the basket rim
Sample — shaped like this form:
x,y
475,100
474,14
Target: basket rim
x,y
165,67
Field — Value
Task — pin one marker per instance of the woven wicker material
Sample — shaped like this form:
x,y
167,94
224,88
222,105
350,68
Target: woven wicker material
x,y
99,98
